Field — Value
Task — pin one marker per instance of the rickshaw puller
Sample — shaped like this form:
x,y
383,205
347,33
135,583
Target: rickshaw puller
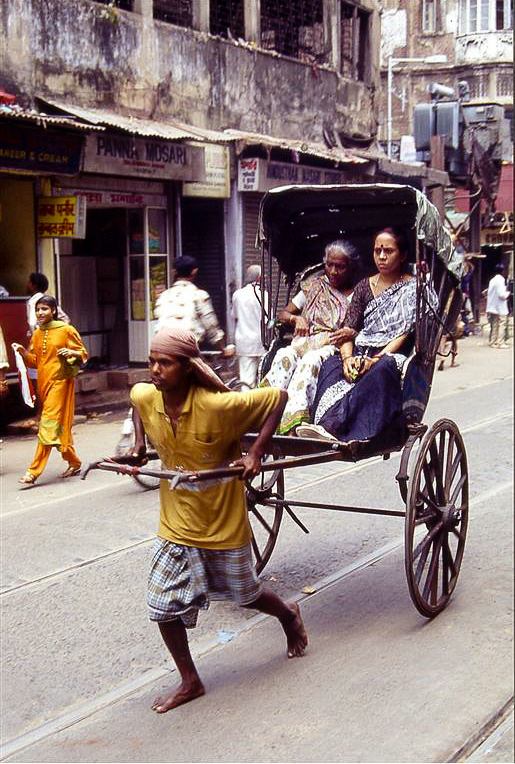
x,y
203,548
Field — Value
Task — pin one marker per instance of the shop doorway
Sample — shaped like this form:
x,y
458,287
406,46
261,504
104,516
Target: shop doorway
x,y
111,279
93,285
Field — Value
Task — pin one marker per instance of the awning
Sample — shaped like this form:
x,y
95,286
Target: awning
x,y
43,120
174,130
170,130
319,150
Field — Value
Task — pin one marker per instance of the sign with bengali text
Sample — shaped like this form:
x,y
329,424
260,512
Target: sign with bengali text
x,y
61,217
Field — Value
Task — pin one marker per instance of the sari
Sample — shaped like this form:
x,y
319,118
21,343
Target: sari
x,y
56,384
361,410
296,367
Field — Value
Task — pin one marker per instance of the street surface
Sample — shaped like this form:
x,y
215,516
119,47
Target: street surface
x,y
81,664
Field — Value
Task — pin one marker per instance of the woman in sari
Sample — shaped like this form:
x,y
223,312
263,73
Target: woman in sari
x,y
56,350
359,388
317,314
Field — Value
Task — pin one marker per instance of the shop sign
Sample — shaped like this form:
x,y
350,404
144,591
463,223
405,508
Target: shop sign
x,y
97,198
39,151
61,217
260,175
217,184
112,154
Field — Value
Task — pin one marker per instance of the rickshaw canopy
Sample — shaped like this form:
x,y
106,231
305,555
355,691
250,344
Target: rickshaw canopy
x,y
293,220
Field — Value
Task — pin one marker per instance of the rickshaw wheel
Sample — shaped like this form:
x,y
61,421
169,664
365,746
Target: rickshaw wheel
x,y
265,520
436,518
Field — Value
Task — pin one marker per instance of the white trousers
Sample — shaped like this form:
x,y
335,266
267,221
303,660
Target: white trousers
x,y
248,365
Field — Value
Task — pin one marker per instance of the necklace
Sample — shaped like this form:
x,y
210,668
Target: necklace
x,y
386,286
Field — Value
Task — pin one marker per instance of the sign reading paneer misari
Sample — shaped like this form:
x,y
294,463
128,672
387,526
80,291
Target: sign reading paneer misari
x,y
143,157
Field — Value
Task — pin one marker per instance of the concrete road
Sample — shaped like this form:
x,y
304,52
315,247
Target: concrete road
x,y
81,664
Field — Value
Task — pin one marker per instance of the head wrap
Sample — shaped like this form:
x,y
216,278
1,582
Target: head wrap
x,y
179,342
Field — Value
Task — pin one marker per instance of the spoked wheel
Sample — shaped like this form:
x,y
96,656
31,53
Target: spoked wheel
x,y
265,519
436,518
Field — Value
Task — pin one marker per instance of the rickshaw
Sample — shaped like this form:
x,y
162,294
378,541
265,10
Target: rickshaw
x,y
295,223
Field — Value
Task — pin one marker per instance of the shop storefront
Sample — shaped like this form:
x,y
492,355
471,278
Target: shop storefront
x,y
112,277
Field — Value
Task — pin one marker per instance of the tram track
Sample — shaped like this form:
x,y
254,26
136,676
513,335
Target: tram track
x,y
122,550
88,709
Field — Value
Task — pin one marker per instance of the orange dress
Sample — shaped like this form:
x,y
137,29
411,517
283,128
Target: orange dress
x,y
56,389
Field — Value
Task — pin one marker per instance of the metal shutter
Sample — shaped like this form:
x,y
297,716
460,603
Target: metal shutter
x,y
202,224
251,202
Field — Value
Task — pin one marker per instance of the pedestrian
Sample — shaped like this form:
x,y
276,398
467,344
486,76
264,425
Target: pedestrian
x,y
248,306
37,286
56,350
185,306
203,549
497,306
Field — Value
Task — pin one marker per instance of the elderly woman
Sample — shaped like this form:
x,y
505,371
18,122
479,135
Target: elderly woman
x,y
317,314
359,391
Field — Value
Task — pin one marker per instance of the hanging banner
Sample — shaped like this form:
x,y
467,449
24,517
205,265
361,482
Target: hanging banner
x,y
61,217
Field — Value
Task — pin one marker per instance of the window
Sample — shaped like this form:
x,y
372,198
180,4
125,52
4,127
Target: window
x,y
226,18
504,14
484,15
477,87
430,22
354,41
504,85
178,12
294,28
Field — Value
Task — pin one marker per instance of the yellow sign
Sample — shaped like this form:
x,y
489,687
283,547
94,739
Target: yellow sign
x,y
62,216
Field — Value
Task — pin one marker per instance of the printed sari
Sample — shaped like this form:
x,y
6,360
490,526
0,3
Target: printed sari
x,y
361,410
296,367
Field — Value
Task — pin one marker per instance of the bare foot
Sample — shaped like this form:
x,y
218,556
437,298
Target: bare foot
x,y
184,694
296,634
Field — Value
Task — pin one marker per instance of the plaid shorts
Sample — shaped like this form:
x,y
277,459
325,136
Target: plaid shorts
x,y
183,579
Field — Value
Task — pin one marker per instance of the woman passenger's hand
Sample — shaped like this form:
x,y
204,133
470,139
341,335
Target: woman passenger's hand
x,y
342,335
301,326
351,367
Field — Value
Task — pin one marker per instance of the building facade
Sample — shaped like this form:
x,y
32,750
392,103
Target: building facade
x,y
163,122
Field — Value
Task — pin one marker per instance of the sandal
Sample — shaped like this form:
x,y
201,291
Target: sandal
x,y
71,471
28,478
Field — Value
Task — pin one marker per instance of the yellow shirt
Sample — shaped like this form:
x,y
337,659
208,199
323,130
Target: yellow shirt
x,y
209,514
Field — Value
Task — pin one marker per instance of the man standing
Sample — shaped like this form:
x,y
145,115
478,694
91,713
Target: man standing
x,y
247,309
497,306
186,306
203,547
